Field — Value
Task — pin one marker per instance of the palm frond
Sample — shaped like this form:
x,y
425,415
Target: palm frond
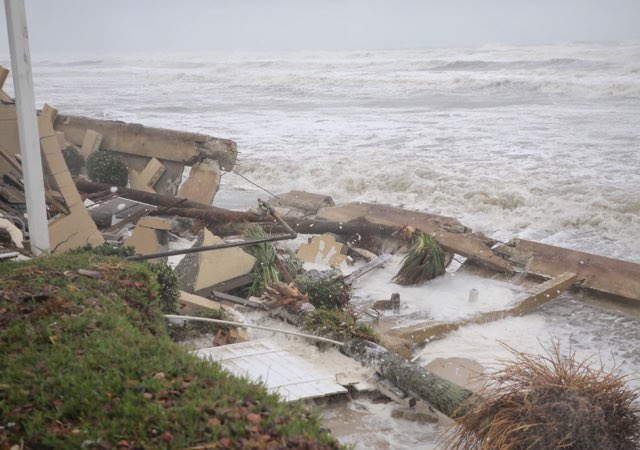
x,y
424,262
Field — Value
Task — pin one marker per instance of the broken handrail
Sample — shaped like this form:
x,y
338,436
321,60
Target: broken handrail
x,y
290,235
259,327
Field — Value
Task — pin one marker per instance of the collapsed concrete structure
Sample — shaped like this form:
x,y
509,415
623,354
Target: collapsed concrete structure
x,y
156,160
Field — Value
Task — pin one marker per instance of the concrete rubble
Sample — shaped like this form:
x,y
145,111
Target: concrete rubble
x,y
323,249
367,233
199,271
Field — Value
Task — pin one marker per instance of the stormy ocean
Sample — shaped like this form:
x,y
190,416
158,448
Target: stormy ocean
x,y
539,142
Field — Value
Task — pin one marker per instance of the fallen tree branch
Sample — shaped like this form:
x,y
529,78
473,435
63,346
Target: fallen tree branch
x,y
445,396
174,206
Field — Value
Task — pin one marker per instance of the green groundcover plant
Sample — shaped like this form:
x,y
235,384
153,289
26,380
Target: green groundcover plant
x,y
87,362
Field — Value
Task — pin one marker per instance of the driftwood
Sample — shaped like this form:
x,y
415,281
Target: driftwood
x,y
174,206
445,396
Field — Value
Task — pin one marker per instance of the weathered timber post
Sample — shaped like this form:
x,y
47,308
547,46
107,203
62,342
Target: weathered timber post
x,y
447,397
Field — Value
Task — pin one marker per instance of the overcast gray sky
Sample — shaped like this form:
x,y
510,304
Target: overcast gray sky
x,y
131,26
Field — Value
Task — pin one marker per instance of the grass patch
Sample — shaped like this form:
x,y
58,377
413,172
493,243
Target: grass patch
x,y
87,362
338,325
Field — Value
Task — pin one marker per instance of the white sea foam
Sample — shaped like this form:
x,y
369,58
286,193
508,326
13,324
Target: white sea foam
x,y
537,141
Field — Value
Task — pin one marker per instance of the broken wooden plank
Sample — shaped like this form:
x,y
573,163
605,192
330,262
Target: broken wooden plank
x,y
608,276
376,262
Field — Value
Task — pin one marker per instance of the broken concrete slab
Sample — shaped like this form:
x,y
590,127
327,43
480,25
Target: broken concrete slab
x,y
9,140
203,182
90,143
300,203
450,234
4,73
169,180
190,304
155,223
323,249
62,142
149,236
606,276
202,270
139,140
145,180
461,371
77,228
152,172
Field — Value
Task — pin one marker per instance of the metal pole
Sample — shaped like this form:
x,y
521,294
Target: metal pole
x,y
259,327
183,251
27,125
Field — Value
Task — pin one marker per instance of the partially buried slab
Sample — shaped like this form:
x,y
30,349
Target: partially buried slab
x,y
202,270
281,371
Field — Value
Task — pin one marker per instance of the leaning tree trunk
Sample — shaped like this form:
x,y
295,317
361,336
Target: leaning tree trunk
x,y
447,397
173,206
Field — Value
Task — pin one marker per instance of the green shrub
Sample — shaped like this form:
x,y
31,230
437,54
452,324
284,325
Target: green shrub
x,y
105,167
325,288
169,286
75,161
338,325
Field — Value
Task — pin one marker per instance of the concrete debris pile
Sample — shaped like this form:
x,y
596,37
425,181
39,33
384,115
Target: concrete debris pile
x,y
168,216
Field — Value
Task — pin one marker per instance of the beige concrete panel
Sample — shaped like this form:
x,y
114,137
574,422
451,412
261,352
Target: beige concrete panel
x,y
217,266
203,182
90,143
139,140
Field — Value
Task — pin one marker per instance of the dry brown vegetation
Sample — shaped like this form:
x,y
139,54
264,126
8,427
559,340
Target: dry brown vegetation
x,y
551,401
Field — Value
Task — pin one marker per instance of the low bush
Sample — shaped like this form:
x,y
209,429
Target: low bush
x,y
105,167
325,288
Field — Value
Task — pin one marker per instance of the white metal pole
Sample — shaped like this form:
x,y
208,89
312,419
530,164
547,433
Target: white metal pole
x,y
27,125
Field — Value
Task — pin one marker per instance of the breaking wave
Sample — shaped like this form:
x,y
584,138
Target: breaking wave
x,y
540,142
